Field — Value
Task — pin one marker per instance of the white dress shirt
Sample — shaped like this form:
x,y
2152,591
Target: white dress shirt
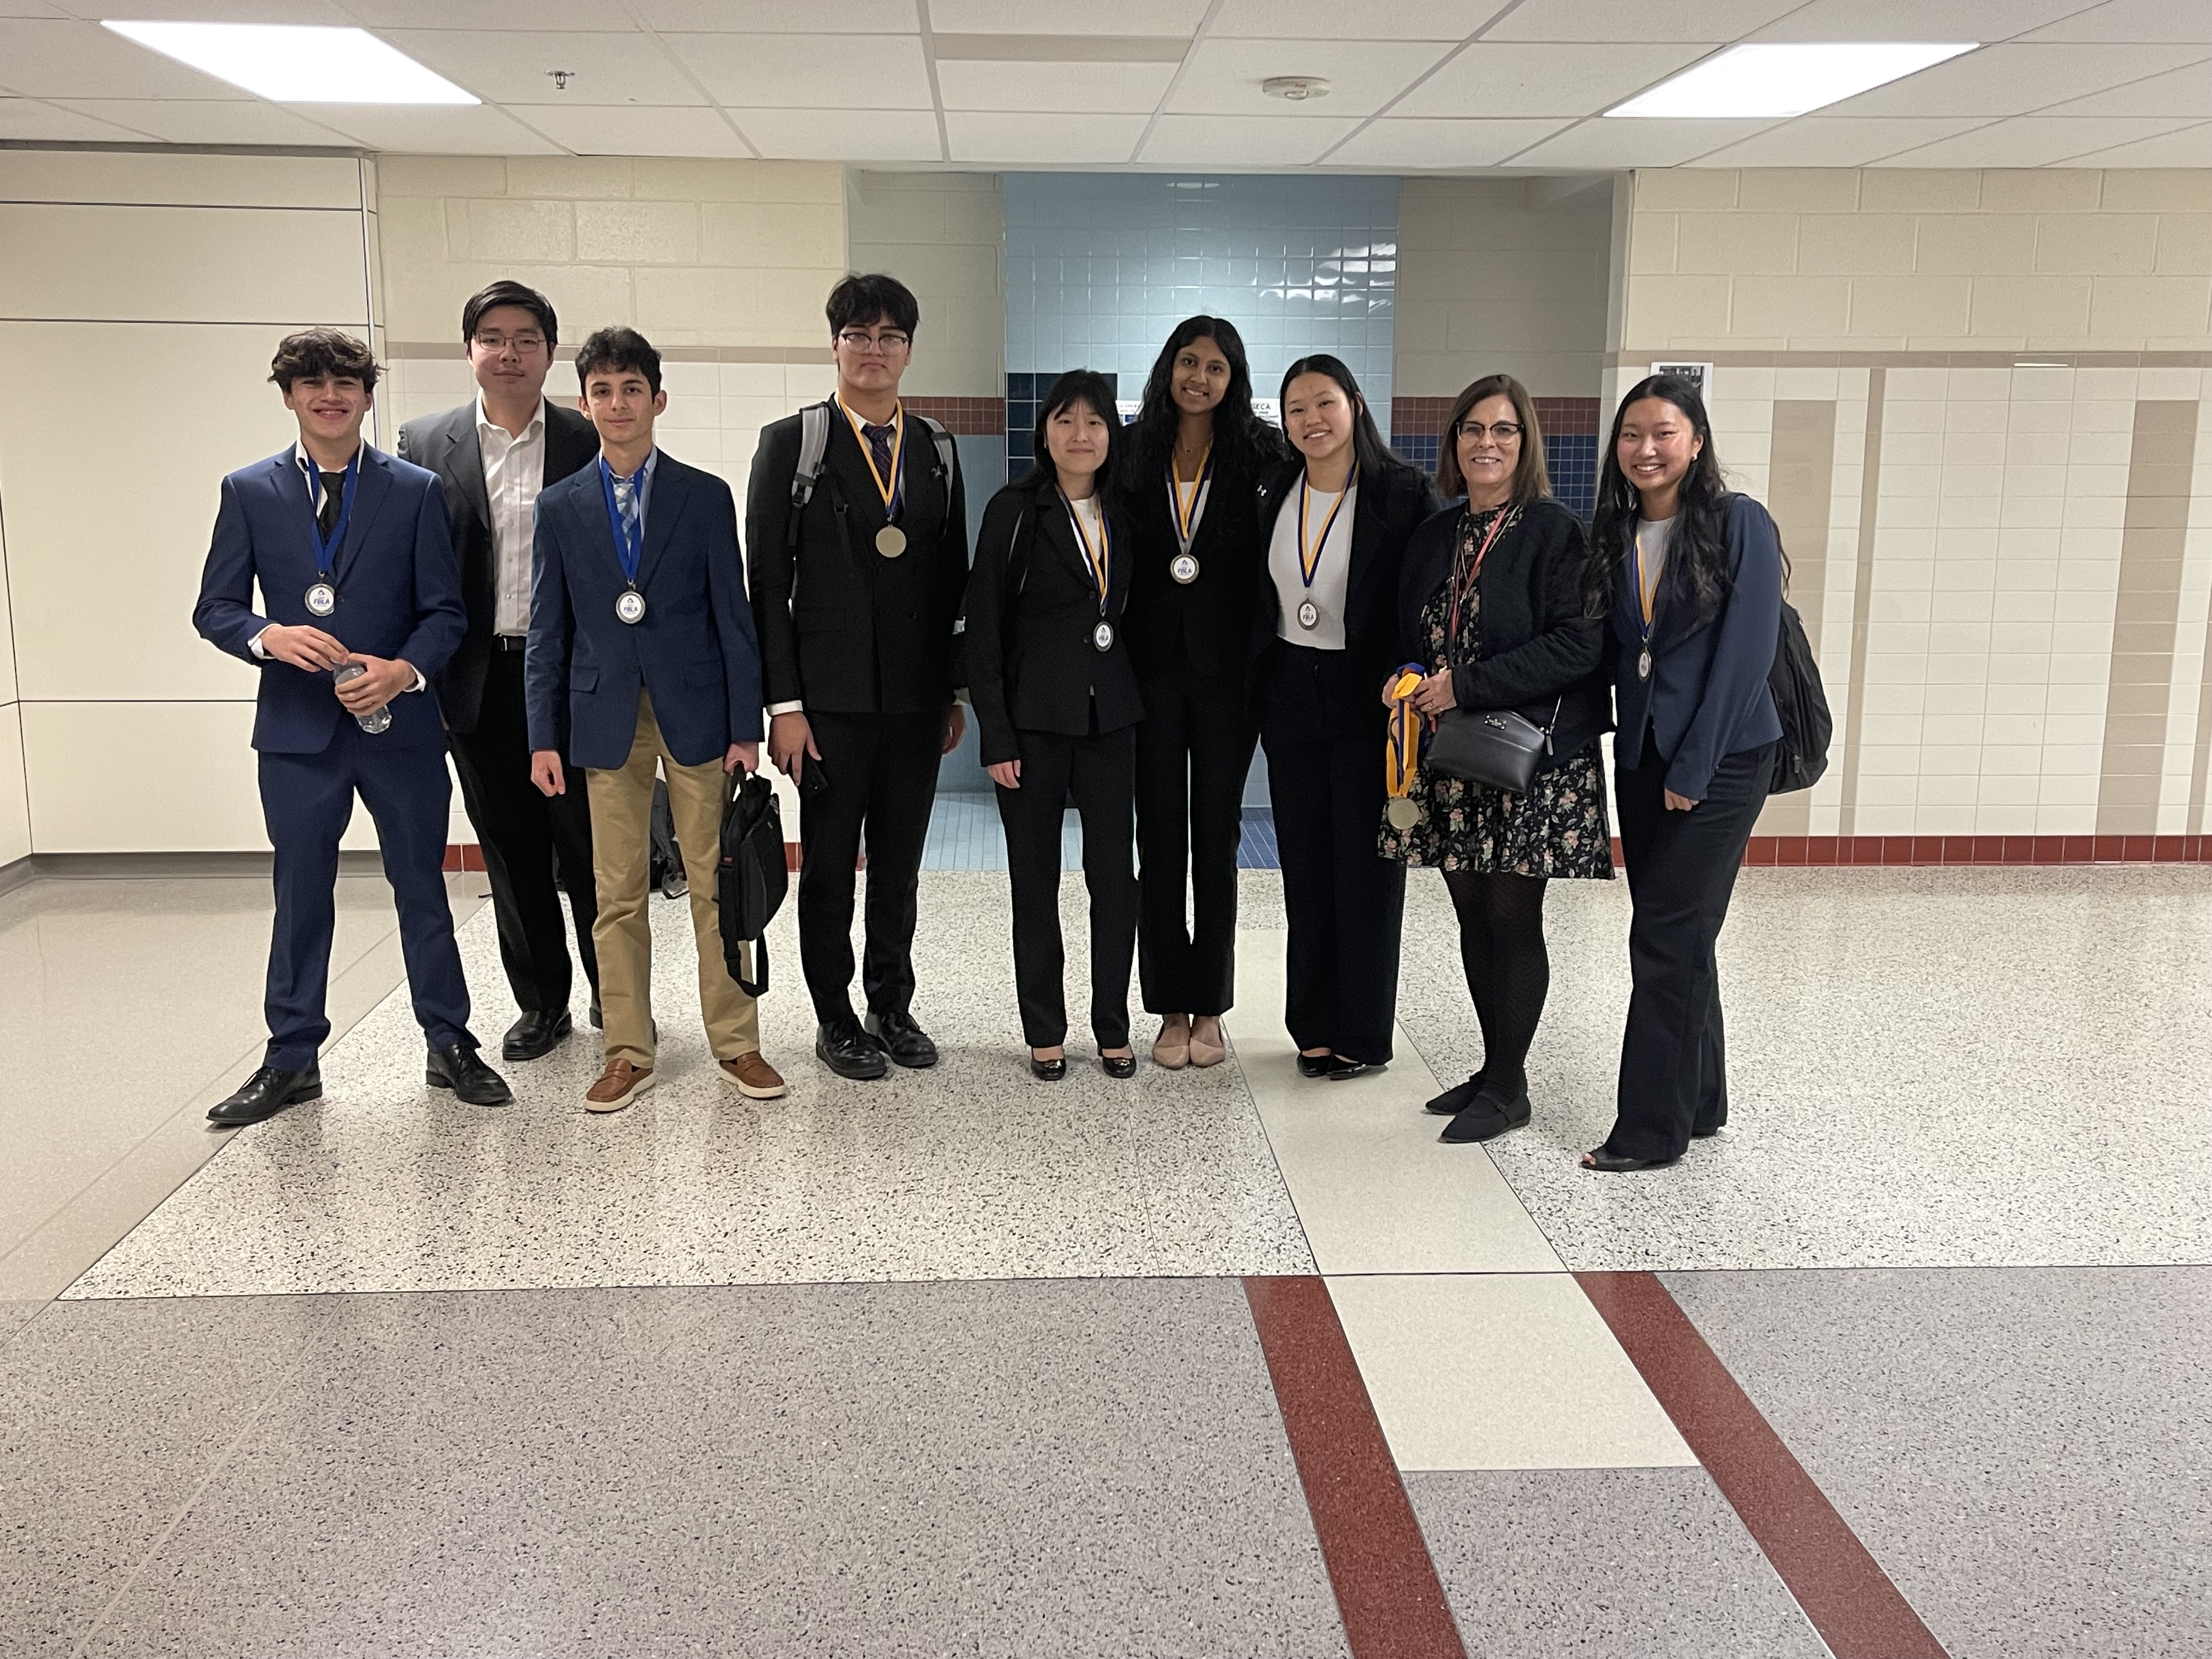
x,y
1332,566
513,473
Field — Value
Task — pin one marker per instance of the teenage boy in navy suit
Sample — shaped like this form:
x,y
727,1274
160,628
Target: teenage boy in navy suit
x,y
356,572
638,618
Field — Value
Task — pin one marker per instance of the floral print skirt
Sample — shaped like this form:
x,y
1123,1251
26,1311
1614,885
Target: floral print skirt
x,y
1560,828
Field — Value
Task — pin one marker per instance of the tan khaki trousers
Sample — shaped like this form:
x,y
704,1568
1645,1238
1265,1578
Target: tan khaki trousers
x,y
622,858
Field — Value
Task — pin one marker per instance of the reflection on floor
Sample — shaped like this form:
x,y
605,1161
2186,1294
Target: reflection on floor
x,y
958,1361
964,834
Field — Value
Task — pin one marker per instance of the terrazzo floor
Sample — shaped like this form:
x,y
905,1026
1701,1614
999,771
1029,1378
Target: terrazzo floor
x,y
958,1362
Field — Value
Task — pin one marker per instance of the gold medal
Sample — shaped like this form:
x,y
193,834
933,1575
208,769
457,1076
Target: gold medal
x,y
890,541
1404,813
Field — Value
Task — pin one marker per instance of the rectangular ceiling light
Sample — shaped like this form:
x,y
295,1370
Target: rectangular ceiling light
x,y
1780,80
298,64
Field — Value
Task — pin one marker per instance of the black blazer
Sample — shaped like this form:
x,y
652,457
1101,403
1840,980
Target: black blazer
x,y
446,444
1708,697
1032,606
841,628
1536,649
1206,626
1391,508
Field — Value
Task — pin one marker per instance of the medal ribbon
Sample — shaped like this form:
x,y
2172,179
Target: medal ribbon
x,y
1100,559
1308,563
1461,589
1644,594
629,535
893,490
1186,518
1402,759
326,552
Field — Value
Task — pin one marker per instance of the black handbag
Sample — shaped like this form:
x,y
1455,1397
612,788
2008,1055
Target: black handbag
x,y
1495,747
752,879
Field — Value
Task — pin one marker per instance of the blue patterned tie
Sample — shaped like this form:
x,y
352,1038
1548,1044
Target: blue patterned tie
x,y
626,504
879,441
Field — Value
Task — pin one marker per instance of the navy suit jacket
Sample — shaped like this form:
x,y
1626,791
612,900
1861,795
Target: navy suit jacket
x,y
1707,697
399,592
694,650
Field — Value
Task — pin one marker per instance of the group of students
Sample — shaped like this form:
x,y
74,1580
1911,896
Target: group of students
x,y
548,591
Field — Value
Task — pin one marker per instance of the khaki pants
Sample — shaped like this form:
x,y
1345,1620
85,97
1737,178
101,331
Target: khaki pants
x,y
621,857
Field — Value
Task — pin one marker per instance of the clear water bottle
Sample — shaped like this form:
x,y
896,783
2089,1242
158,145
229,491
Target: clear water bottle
x,y
377,720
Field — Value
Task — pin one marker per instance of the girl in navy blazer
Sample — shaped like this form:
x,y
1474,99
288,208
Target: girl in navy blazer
x,y
1692,578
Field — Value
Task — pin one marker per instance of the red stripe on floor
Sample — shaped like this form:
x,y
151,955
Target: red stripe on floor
x,y
1850,1601
1386,1585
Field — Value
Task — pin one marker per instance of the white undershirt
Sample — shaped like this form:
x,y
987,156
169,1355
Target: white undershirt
x,y
1332,568
1652,536
1094,527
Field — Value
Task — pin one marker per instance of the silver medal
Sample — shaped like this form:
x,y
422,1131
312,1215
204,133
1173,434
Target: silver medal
x,y
1308,615
1643,664
630,606
1184,568
322,600
1102,636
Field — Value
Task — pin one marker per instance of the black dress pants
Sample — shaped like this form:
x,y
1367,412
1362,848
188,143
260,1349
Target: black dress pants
x,y
1345,901
1681,870
1194,749
535,846
1099,772
881,774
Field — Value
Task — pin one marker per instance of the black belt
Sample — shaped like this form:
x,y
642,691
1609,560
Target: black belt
x,y
509,641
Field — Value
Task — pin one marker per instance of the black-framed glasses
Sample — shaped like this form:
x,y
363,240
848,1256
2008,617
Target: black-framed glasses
x,y
853,339
1503,431
524,345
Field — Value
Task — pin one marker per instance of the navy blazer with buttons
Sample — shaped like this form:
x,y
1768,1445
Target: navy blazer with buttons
x,y
1707,697
399,592
693,650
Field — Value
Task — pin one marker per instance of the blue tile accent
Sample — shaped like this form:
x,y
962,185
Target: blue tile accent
x,y
1573,463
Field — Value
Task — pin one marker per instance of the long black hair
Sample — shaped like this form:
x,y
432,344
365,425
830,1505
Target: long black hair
x,y
1241,439
1374,455
1699,546
1077,386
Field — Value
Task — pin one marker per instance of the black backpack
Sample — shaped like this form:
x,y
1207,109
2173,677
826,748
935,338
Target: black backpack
x,y
1802,702
753,879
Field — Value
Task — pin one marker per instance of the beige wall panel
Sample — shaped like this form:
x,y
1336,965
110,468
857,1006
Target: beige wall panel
x,y
174,179
944,236
15,799
184,265
77,526
142,777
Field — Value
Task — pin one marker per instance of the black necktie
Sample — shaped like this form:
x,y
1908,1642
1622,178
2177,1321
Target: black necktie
x,y
326,518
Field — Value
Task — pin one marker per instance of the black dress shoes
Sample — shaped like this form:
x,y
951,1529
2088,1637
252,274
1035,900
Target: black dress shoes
x,y
535,1036
1317,1064
1342,1067
1457,1099
266,1093
845,1049
461,1069
1119,1067
1486,1117
906,1043
1611,1162
1048,1070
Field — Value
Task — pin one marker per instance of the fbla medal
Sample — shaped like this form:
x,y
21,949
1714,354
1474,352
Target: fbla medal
x,y
322,600
1184,568
1309,614
1643,664
1404,813
1102,636
630,606
890,541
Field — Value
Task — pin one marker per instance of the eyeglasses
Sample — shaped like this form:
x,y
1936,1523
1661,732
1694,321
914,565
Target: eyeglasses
x,y
888,343
524,345
1503,431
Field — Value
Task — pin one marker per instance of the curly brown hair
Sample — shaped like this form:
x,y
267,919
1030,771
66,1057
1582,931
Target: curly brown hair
x,y
315,352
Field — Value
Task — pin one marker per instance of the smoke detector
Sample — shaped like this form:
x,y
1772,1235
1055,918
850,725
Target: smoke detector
x,y
1295,88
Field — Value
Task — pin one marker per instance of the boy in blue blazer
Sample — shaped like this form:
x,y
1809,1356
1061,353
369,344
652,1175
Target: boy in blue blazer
x,y
351,550
638,617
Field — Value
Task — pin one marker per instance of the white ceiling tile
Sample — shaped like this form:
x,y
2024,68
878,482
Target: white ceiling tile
x,y
1635,20
516,69
805,71
1518,79
2033,141
212,120
1916,20
325,12
1223,77
1066,16
46,59
2009,81
27,118
2134,19
1279,140
1100,88
591,16
2191,147
842,135
1376,20
432,129
1814,141
1392,143
632,129
30,8
1057,140
778,16
1625,143
2182,92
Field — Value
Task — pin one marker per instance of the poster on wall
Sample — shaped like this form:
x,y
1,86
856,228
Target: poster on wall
x,y
1699,375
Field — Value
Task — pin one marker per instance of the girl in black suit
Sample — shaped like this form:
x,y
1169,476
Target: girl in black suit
x,y
1197,455
1056,701
1336,520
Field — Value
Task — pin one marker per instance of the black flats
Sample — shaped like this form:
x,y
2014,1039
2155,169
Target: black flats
x,y
1120,1067
1485,1117
1336,1067
1457,1099
1609,1162
1048,1070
